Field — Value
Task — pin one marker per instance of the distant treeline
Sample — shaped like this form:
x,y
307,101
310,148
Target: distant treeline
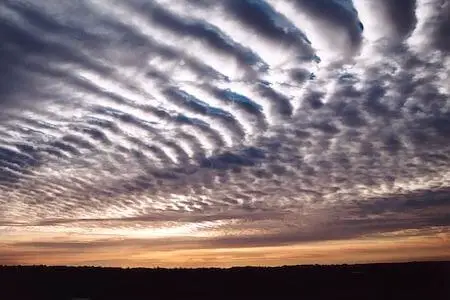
x,y
424,280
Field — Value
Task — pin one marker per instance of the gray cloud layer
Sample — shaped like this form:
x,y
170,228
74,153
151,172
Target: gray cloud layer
x,y
133,115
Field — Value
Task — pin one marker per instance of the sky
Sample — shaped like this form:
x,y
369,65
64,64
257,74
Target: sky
x,y
195,133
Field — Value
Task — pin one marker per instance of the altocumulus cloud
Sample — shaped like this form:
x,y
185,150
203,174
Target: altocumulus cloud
x,y
254,123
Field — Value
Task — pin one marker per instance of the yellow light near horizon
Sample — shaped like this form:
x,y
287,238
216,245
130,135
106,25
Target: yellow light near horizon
x,y
430,244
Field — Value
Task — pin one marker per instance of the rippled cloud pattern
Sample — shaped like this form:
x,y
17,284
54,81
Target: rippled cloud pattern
x,y
231,123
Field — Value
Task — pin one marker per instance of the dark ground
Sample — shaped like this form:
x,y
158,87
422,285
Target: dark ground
x,y
430,280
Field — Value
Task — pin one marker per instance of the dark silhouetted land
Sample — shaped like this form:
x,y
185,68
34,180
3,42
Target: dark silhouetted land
x,y
425,280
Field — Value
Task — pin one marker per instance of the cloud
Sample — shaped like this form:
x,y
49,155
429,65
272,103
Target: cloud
x,y
393,20
133,118
402,14
337,21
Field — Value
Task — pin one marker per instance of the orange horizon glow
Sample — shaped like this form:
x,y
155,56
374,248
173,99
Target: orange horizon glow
x,y
135,253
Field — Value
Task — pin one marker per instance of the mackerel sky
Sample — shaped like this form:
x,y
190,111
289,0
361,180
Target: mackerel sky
x,y
231,126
